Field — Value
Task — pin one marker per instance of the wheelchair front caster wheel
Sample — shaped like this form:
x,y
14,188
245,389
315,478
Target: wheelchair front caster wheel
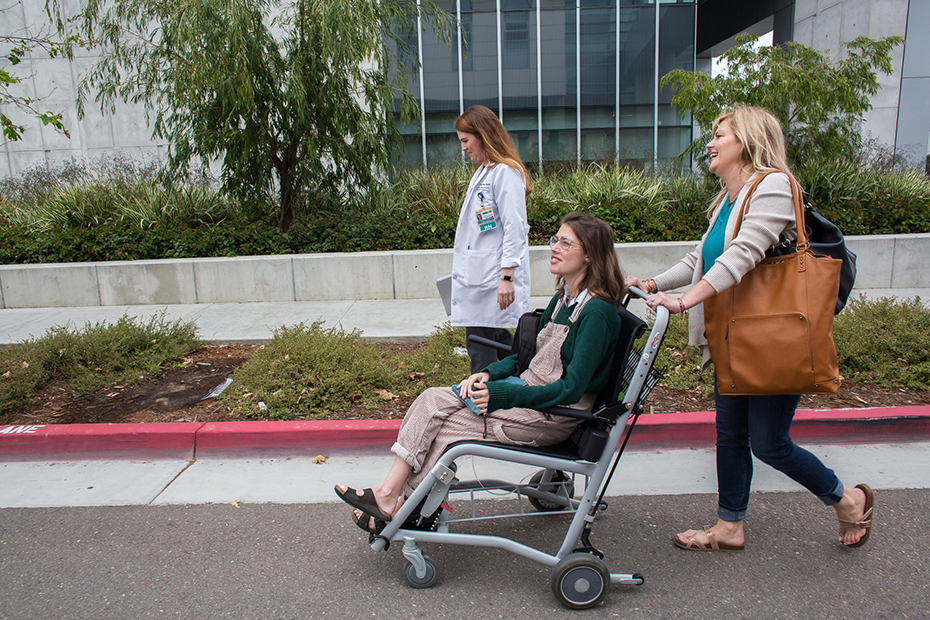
x,y
427,580
580,581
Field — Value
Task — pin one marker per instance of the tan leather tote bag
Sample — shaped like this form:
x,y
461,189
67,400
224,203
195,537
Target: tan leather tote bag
x,y
773,332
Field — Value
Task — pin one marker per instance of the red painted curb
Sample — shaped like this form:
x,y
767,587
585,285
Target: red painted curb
x,y
269,439
830,426
139,442
190,440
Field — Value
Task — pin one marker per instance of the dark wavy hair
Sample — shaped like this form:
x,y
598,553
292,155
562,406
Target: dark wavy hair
x,y
495,141
603,278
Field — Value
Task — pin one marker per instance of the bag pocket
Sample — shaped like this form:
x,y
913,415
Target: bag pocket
x,y
770,354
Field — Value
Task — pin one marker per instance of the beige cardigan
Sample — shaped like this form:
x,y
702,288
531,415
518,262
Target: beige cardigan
x,y
770,215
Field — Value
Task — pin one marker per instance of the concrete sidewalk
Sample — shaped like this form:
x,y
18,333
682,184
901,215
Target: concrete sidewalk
x,y
284,480
391,320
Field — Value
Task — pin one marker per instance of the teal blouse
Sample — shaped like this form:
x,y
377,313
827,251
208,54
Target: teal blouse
x,y
714,242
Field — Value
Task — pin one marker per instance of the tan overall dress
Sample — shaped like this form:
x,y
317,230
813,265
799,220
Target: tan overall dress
x,y
438,418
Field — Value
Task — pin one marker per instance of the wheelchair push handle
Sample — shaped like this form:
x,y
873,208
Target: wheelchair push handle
x,y
662,313
499,346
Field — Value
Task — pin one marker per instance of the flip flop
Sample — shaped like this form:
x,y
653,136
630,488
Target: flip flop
x,y
865,521
364,502
363,520
693,545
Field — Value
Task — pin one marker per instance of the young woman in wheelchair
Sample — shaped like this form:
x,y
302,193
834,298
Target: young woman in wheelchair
x,y
574,349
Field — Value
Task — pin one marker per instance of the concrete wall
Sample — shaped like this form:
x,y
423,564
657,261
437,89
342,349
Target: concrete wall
x,y
54,83
826,24
892,261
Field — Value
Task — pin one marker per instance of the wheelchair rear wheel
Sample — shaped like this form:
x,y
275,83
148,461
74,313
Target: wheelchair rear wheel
x,y
580,581
558,478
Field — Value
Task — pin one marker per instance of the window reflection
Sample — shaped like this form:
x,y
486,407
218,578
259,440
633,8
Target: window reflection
x,y
615,85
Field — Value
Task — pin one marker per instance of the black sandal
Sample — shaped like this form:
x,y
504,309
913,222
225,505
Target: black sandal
x,y
363,521
364,502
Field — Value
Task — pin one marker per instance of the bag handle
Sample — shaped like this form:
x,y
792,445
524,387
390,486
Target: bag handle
x,y
803,241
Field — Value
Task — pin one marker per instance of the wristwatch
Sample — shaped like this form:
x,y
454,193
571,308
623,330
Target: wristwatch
x,y
507,278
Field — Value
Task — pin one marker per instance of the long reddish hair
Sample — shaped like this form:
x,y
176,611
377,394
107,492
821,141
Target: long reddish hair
x,y
496,143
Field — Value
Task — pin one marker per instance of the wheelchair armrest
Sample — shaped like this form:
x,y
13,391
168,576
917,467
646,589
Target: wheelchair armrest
x,y
489,343
566,412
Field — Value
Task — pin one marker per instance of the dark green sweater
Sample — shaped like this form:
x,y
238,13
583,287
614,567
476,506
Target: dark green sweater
x,y
587,355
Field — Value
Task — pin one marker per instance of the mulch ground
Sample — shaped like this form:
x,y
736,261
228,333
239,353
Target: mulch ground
x,y
176,395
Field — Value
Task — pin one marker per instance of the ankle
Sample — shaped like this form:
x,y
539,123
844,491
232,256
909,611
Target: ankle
x,y
730,528
848,501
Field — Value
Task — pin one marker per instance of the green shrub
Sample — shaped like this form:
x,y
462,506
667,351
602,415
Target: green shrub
x,y
433,193
23,371
312,371
886,341
308,371
117,212
437,363
679,363
95,356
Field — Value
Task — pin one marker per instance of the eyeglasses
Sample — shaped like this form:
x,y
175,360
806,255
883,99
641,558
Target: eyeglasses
x,y
565,244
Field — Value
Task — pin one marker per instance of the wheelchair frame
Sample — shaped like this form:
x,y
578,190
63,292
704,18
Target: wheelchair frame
x,y
579,577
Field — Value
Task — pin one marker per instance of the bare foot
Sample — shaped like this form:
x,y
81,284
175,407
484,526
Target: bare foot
x,y
851,512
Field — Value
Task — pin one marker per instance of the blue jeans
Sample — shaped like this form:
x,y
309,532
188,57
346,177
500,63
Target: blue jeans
x,y
761,424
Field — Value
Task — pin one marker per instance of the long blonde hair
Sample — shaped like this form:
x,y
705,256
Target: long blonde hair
x,y
495,141
762,140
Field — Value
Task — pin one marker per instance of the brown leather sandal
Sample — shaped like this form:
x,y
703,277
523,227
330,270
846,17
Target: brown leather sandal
x,y
713,545
864,522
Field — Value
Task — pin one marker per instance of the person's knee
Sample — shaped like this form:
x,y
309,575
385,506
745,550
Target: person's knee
x,y
772,453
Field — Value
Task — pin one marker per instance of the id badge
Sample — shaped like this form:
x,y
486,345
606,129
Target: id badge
x,y
485,211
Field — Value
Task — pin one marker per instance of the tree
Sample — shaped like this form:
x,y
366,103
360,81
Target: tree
x,y
20,45
294,96
819,102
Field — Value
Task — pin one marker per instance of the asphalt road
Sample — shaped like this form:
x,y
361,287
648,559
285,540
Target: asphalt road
x,y
277,561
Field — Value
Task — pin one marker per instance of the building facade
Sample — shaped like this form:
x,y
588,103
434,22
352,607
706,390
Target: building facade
x,y
574,81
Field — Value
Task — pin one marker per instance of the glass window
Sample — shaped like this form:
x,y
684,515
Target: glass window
x,y
676,43
410,153
443,149
480,84
479,6
518,84
559,121
676,51
441,86
516,40
466,45
598,80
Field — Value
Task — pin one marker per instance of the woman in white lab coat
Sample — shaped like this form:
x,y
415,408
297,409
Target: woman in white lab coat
x,y
490,260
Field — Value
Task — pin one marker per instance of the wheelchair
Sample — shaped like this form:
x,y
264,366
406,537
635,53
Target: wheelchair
x,y
579,577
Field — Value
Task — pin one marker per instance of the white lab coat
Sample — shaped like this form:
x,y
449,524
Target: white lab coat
x,y
478,257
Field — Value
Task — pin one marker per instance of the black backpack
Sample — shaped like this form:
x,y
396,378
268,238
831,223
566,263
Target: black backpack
x,y
826,239
524,339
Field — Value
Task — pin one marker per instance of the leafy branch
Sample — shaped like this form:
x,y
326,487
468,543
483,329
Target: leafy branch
x,y
820,101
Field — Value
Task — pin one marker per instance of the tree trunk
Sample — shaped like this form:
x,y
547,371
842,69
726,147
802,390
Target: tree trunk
x,y
285,211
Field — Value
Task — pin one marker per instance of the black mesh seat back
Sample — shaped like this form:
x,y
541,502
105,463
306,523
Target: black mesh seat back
x,y
631,328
